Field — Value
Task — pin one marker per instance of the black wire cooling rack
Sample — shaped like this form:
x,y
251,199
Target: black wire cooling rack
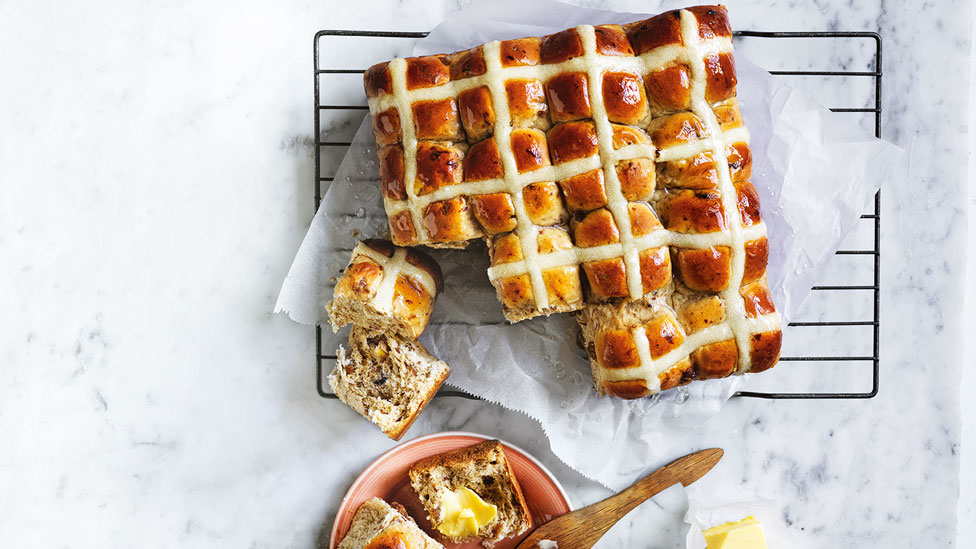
x,y
342,45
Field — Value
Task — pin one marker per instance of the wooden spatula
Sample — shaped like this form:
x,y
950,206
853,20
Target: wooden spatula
x,y
583,527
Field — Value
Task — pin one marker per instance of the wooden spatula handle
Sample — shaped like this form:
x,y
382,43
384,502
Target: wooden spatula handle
x,y
652,484
583,527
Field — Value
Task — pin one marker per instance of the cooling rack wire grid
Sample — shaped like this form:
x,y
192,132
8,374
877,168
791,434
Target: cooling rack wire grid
x,y
852,308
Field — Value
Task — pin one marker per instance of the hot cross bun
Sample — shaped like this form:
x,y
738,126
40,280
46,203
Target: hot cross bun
x,y
608,168
386,288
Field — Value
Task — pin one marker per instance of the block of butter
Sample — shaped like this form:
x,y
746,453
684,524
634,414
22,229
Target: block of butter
x,y
744,534
464,513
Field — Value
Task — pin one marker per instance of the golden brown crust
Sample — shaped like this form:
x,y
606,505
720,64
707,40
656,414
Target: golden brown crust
x,y
410,298
696,315
756,298
477,113
637,178
388,540
629,389
527,103
360,280
689,211
679,374
569,97
642,219
563,286
721,80
560,47
516,488
615,349
606,278
707,270
572,141
740,161
398,529
495,212
696,173
427,72
377,80
553,239
516,292
757,255
677,129
655,267
713,21
438,165
624,98
764,350
392,172
715,360
437,120
466,64
669,88
663,334
402,230
482,162
595,229
655,32
529,149
543,204
728,114
386,127
506,248
450,220
521,52
628,135
612,40
585,191
747,201
412,303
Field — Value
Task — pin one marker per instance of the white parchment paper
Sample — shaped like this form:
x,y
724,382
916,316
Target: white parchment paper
x,y
719,503
815,172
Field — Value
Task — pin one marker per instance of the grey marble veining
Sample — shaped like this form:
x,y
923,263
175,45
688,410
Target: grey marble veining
x,y
155,182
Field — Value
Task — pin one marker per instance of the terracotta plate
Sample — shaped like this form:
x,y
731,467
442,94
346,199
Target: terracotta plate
x,y
387,478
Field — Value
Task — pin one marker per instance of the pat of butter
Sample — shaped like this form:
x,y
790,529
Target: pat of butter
x,y
464,513
745,534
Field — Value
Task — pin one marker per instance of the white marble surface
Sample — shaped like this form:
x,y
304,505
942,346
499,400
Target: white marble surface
x,y
155,175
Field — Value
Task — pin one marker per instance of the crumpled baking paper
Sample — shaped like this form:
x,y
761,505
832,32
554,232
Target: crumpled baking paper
x,y
717,504
815,173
